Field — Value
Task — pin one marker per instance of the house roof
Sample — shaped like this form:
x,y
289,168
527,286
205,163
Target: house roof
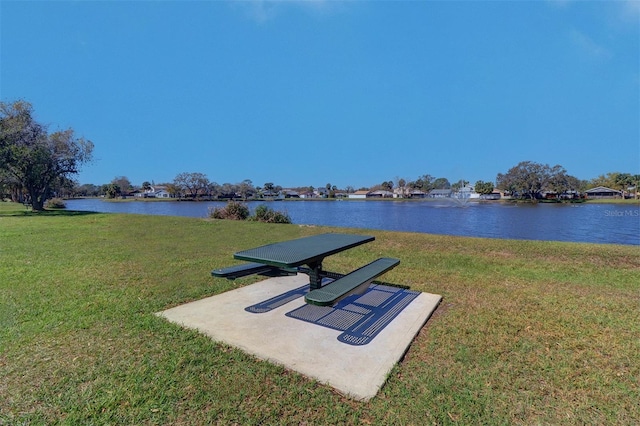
x,y
363,192
602,189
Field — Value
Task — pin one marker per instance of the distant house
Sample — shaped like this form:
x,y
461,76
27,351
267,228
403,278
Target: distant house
x,y
566,195
360,194
401,192
321,192
290,194
380,194
440,193
467,191
307,194
495,195
270,194
154,192
416,193
603,192
406,192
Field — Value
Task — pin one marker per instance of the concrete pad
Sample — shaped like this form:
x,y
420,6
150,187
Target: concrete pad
x,y
310,349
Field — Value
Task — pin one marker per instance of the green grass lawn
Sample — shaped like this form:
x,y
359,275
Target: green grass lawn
x,y
527,332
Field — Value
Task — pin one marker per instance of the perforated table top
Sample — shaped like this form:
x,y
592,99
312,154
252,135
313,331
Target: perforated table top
x,y
303,251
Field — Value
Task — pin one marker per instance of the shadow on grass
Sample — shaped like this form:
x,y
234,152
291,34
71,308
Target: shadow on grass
x,y
47,213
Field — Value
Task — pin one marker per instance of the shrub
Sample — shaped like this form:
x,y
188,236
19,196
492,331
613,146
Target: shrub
x,y
237,211
234,210
55,203
265,214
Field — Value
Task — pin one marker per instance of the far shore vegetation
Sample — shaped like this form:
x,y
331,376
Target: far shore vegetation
x,y
528,332
631,201
525,181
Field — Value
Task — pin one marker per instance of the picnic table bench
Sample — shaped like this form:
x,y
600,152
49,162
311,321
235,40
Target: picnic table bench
x,y
305,255
355,282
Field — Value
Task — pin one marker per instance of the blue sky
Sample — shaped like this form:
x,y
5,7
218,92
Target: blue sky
x,y
348,93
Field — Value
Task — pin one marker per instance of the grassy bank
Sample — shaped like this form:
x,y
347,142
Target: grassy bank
x,y
527,333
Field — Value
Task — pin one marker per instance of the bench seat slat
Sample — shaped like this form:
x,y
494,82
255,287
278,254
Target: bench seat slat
x,y
237,271
352,283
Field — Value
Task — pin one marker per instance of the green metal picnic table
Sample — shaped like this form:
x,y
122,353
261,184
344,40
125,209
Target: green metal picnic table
x,y
309,251
289,258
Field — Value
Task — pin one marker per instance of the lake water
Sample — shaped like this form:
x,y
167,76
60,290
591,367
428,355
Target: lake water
x,y
593,223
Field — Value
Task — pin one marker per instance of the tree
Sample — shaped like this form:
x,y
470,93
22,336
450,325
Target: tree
x,y
636,183
123,183
483,188
524,180
10,187
331,190
213,189
112,190
423,183
35,159
246,188
401,184
87,189
441,183
560,182
575,184
146,185
173,190
614,180
228,190
192,183
63,188
459,184
529,180
623,181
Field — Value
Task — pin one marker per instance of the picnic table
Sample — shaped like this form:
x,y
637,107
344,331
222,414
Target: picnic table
x,y
305,255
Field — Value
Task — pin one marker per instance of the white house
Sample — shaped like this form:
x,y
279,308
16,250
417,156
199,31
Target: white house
x,y
154,192
359,194
467,191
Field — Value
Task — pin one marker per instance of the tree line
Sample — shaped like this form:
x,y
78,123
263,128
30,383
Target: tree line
x,y
526,180
36,165
530,180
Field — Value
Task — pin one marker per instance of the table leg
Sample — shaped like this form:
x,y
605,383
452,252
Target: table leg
x,y
315,275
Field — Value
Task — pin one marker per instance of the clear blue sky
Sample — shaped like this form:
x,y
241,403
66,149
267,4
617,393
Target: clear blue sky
x,y
348,93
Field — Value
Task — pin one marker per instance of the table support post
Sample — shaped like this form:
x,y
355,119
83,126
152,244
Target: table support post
x,y
315,275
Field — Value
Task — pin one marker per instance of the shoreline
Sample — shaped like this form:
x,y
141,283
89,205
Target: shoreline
x,y
627,201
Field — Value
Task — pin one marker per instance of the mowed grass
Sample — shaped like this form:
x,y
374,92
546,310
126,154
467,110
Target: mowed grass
x,y
527,332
